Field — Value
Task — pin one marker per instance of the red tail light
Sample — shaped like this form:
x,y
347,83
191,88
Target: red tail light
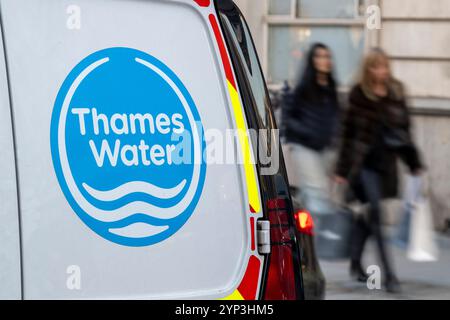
x,y
304,222
281,278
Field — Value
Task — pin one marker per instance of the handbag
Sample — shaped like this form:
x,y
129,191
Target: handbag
x,y
398,140
395,133
395,138
333,230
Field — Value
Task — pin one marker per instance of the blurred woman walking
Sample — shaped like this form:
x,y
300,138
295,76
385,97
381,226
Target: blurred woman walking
x,y
376,130
309,123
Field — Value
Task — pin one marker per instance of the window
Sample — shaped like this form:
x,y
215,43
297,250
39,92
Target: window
x,y
280,7
289,46
340,9
344,9
253,91
244,45
293,25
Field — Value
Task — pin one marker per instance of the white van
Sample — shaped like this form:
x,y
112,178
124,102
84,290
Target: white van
x,y
97,201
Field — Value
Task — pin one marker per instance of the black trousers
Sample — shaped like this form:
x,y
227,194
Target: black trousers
x,y
370,188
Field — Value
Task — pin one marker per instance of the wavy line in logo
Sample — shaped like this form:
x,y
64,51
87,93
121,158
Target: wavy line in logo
x,y
135,187
138,230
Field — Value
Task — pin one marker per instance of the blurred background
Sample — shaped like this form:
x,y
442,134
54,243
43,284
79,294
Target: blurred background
x,y
416,36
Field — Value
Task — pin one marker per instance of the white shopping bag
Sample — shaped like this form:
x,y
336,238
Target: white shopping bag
x,y
337,193
422,244
413,187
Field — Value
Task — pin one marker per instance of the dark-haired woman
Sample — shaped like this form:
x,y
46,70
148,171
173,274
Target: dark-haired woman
x,y
309,123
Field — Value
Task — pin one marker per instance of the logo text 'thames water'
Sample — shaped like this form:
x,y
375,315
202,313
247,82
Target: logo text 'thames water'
x,y
120,124
127,145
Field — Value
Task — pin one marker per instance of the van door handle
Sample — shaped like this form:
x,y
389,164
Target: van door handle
x,y
263,236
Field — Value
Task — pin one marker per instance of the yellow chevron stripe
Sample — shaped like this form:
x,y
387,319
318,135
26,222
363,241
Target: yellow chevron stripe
x,y
250,177
236,295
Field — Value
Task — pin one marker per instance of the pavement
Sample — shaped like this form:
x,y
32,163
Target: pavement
x,y
419,280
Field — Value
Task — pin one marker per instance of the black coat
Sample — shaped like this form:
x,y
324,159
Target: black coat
x,y
310,121
366,114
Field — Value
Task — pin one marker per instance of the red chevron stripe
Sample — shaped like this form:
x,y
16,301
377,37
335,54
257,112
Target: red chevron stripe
x,y
203,3
249,284
223,50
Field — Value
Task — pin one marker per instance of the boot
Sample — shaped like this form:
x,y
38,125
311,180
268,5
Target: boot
x,y
392,284
357,272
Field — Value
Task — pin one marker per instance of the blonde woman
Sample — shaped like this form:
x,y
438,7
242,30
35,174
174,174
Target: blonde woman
x,y
376,130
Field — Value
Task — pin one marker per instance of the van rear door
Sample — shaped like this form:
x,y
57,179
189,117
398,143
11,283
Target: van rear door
x,y
114,103
10,279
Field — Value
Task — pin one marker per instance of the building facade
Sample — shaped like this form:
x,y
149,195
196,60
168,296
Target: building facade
x,y
415,34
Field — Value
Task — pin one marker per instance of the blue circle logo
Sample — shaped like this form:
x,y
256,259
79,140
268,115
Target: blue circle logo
x,y
127,145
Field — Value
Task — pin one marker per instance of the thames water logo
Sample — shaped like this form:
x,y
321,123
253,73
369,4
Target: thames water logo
x,y
127,145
